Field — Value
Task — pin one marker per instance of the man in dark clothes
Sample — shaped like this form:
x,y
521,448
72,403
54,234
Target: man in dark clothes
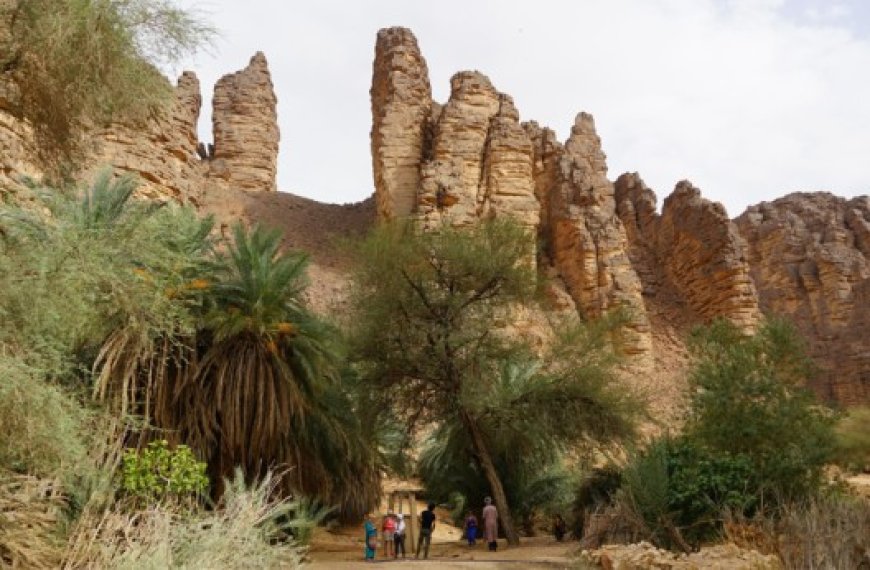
x,y
427,525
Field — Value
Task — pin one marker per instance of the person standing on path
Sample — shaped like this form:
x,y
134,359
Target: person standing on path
x,y
490,524
399,537
371,538
389,533
471,528
427,525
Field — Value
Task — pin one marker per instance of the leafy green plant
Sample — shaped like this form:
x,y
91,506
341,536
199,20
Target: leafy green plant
x,y
680,490
750,400
158,473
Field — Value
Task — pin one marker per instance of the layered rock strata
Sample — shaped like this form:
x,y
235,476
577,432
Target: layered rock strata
x,y
810,260
588,241
162,151
245,128
692,248
471,159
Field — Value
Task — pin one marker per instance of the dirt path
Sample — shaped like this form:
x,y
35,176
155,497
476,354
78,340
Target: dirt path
x,y
533,553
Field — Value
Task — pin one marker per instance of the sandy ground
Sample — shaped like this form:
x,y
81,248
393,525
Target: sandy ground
x,y
533,553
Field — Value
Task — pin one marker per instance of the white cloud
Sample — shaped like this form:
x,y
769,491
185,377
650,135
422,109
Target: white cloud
x,y
749,99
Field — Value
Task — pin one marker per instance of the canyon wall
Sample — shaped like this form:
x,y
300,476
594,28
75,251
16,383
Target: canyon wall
x,y
605,243
601,244
810,260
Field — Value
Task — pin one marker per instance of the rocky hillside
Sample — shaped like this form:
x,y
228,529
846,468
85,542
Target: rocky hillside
x,y
604,241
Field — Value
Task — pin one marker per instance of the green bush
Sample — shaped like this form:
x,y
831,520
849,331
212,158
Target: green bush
x,y
680,490
750,400
41,427
158,473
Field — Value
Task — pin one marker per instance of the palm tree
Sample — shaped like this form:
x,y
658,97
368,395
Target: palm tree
x,y
267,391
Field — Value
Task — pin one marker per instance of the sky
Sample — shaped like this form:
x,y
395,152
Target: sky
x,y
747,99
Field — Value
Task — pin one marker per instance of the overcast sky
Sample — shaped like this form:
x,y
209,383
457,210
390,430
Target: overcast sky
x,y
748,99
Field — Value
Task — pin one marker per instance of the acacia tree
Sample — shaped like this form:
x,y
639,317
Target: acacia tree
x,y
428,335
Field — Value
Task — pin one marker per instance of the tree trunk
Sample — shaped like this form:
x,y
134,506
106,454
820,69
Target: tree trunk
x,y
485,462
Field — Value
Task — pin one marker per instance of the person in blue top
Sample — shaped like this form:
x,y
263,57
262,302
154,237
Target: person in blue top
x,y
470,528
371,538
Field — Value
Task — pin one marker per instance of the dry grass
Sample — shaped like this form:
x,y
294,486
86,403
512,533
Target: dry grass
x,y
824,533
30,513
243,532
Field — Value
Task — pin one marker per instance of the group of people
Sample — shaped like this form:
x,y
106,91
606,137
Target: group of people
x,y
393,531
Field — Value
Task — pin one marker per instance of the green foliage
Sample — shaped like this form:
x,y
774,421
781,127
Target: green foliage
x,y
426,335
83,264
80,62
750,400
158,473
680,491
853,438
41,427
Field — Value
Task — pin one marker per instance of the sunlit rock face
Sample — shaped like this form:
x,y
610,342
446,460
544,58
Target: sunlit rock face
x,y
809,256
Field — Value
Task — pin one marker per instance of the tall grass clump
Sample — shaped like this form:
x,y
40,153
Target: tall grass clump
x,y
249,528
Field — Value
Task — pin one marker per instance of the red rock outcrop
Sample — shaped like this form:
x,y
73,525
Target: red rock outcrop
x,y
401,107
810,261
245,128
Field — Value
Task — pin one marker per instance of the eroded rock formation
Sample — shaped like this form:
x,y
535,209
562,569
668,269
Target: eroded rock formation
x,y
401,107
588,241
163,150
810,261
691,250
245,128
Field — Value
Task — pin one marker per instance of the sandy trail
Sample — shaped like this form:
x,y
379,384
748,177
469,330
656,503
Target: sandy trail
x,y
533,553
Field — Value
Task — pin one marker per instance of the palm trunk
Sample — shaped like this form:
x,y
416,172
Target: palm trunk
x,y
485,461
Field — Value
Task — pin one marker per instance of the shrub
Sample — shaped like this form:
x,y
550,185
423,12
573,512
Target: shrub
x,y
247,529
853,438
158,473
750,400
41,427
678,491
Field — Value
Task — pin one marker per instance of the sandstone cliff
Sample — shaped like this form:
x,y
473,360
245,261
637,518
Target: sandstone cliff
x,y
605,243
164,152
810,261
600,244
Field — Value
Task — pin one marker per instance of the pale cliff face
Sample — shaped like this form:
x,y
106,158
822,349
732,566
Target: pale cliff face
x,y
471,158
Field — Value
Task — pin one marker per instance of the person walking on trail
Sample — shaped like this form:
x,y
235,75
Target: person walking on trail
x,y
490,524
399,537
388,528
470,528
371,538
427,525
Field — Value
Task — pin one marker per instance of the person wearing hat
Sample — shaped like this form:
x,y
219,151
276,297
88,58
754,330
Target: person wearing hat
x,y
399,536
